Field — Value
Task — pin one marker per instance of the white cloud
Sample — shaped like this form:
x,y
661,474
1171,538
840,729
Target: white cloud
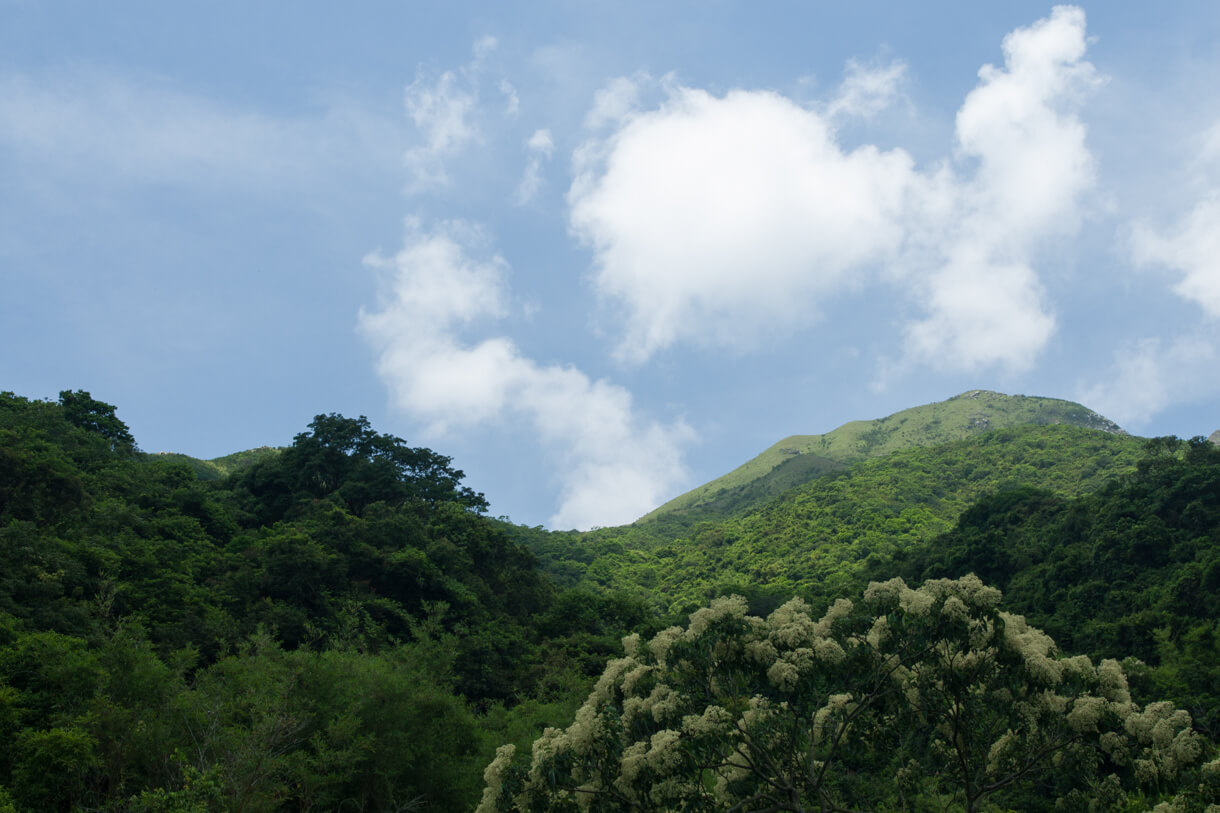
x,y
483,46
541,142
867,90
982,313
614,465
614,102
445,113
1030,146
540,146
1191,246
715,220
985,302
718,220
442,113
1147,376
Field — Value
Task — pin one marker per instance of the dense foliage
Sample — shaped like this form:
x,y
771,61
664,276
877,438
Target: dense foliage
x,y
335,626
1132,569
909,700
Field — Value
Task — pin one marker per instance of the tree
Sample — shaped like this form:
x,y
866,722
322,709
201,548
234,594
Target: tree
x,y
908,700
345,460
83,411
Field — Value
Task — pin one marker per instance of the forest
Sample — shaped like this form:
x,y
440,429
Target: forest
x,y
1024,618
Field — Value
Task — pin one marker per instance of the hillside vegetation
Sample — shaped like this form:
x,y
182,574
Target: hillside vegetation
x,y
220,467
333,626
816,537
337,626
800,458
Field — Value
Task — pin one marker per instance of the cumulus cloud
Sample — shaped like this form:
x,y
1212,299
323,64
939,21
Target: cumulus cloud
x,y
540,146
614,464
713,219
718,220
985,304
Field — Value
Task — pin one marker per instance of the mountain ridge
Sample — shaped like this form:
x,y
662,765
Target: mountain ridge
x,y
781,465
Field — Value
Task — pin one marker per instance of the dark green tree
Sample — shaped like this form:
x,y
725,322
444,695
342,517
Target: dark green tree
x,y
345,460
82,410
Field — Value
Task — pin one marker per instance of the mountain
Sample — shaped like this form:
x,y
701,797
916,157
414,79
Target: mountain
x,y
817,536
801,458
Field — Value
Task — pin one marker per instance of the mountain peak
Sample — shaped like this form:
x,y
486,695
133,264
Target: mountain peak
x,y
799,458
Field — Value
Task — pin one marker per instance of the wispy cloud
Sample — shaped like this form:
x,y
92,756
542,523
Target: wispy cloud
x,y
540,146
1149,375
1191,246
512,102
446,112
614,464
618,99
867,89
78,127
442,113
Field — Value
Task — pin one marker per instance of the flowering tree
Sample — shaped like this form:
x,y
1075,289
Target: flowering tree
x,y
928,698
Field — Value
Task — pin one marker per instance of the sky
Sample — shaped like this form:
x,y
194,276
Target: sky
x,y
600,252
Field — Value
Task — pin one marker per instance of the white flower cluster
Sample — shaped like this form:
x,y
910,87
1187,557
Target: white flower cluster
x,y
737,709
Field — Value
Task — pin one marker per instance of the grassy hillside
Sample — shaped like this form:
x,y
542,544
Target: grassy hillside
x,y
220,467
801,458
815,538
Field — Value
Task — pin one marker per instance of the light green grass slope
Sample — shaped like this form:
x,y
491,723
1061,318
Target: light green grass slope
x,y
220,467
962,416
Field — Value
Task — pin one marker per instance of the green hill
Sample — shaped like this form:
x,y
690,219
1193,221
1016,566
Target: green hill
x,y
337,624
219,468
800,458
815,538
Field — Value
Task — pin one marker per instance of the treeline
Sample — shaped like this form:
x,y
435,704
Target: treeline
x,y
338,626
335,627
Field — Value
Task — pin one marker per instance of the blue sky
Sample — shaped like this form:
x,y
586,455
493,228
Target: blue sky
x,y
600,253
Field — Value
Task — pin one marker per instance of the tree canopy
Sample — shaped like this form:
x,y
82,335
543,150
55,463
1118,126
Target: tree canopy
x,y
909,699
345,461
337,625
84,412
